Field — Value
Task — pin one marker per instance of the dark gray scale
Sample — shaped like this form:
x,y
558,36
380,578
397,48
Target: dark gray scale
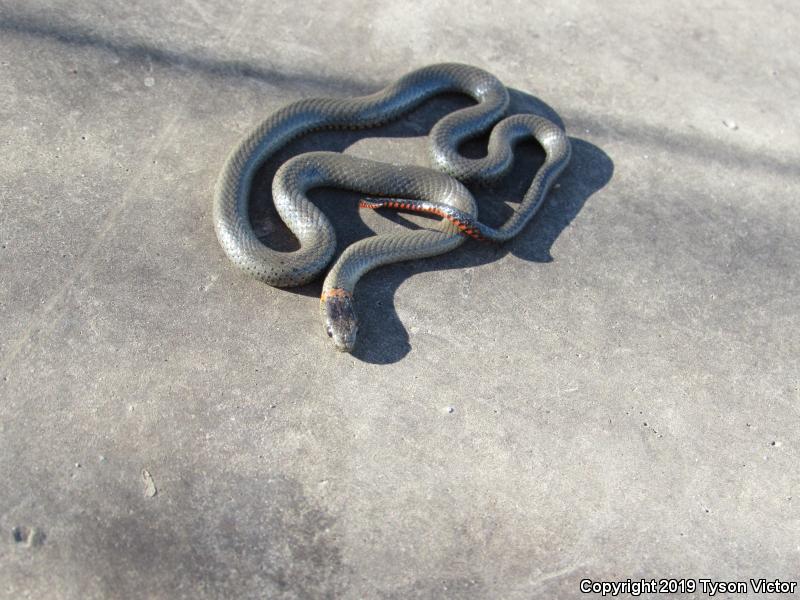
x,y
427,190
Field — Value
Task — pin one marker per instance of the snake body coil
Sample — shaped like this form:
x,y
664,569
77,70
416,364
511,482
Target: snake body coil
x,y
439,192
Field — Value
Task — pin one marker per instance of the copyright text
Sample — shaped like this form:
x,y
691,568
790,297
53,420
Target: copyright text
x,y
709,587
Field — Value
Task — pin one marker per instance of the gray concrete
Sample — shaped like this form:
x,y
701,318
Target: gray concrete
x,y
623,377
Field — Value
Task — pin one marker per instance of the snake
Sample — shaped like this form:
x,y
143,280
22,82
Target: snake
x,y
439,190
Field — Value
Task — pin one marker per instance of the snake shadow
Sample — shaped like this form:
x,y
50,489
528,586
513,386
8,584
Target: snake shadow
x,y
382,337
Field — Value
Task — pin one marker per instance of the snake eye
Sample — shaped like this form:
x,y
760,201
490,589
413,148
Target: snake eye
x,y
329,331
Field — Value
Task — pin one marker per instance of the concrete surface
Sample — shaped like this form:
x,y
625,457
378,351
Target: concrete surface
x,y
623,377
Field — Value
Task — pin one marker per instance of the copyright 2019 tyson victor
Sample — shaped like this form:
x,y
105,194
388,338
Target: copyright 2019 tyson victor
x,y
710,587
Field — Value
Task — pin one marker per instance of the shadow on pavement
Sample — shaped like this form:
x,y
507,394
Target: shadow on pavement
x,y
382,337
139,51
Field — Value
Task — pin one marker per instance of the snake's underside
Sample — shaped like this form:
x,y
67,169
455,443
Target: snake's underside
x,y
439,191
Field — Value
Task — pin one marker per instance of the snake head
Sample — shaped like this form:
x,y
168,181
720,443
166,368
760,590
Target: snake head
x,y
340,318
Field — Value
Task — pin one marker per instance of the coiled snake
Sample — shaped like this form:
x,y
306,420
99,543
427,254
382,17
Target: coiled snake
x,y
440,192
